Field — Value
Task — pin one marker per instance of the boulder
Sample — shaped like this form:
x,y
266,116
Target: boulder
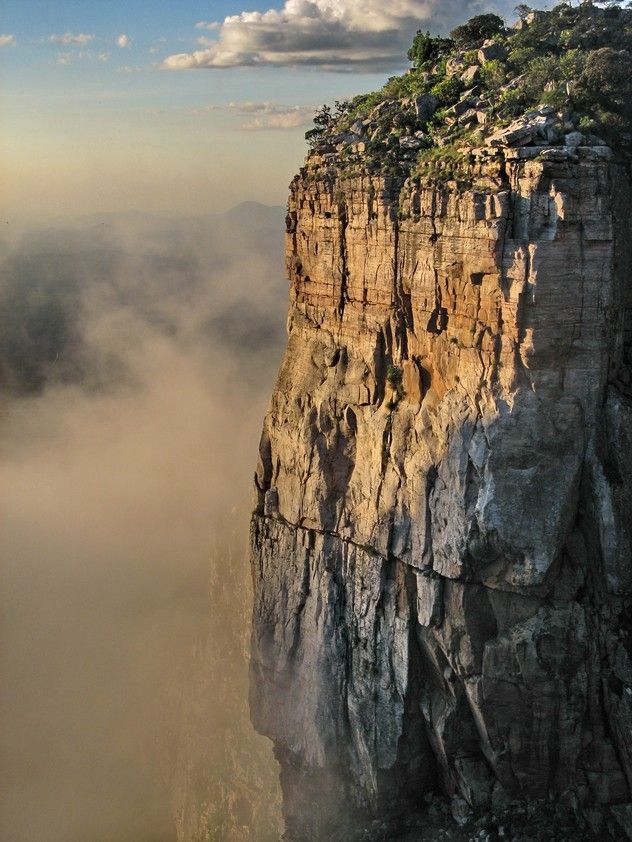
x,y
380,109
455,64
492,51
425,107
471,74
553,133
527,20
345,139
559,155
594,140
410,142
518,133
469,117
461,106
573,139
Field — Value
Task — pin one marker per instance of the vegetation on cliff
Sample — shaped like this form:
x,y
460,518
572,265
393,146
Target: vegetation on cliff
x,y
556,78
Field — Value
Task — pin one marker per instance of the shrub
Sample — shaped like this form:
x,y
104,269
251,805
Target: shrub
x,y
364,103
607,81
477,29
493,74
448,90
539,73
395,379
426,48
572,64
514,101
519,58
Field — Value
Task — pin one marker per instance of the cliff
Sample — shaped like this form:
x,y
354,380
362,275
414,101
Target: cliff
x,y
442,539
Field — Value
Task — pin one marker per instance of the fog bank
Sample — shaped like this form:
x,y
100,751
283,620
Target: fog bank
x,y
136,359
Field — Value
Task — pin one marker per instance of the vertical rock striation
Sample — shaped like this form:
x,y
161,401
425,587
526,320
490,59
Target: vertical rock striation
x,y
441,545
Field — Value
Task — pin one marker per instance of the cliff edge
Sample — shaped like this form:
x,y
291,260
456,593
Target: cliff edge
x,y
441,545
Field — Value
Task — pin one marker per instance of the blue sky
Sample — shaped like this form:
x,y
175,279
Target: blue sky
x,y
182,107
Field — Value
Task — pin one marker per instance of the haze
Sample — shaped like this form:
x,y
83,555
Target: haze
x,y
137,359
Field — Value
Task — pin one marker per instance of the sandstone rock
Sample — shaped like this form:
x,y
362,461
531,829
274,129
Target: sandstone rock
x,y
518,133
469,117
410,143
443,575
380,109
492,51
559,154
471,74
425,107
455,64
463,105
574,139
344,139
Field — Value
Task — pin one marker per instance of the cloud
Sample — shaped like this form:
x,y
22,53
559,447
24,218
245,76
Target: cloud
x,y
264,115
137,355
69,38
68,57
365,35
123,41
268,115
7,40
205,24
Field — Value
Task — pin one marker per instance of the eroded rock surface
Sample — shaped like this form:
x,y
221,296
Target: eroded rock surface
x,y
442,540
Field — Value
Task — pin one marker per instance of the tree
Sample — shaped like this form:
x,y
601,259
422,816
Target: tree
x,y
522,10
323,117
477,29
607,81
427,48
323,121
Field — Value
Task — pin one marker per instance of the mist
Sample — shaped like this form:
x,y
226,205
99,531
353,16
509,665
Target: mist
x,y
136,358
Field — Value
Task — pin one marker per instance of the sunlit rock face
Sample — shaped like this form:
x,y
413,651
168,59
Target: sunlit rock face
x,y
441,545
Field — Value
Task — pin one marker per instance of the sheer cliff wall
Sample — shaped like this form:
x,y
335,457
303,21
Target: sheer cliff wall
x,y
441,546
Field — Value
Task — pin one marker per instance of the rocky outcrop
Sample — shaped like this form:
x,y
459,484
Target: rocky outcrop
x,y
442,539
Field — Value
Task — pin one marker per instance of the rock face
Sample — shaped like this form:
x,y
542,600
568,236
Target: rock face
x,y
441,546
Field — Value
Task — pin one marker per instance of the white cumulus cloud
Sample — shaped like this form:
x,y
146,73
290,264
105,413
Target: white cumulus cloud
x,y
7,40
331,34
123,41
69,38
